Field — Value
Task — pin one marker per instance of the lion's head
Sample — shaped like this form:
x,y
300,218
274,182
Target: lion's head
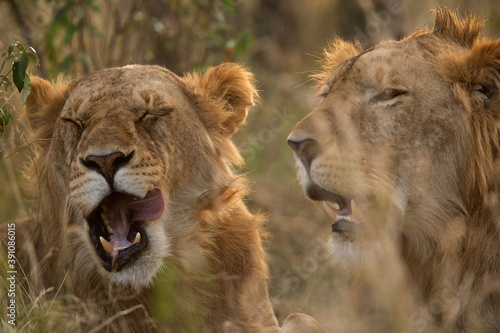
x,y
403,149
406,138
129,158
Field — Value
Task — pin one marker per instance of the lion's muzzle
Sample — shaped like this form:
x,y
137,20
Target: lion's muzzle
x,y
344,211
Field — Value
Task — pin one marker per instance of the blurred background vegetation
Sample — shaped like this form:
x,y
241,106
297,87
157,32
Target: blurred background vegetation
x,y
280,41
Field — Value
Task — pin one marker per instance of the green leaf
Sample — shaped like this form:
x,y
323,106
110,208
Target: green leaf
x,y
5,116
18,75
5,80
25,59
11,48
26,89
34,56
20,46
4,119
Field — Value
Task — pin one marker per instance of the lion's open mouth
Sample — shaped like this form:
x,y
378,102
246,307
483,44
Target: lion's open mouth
x,y
345,216
116,230
345,212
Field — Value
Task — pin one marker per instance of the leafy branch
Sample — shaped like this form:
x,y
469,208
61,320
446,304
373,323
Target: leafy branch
x,y
20,57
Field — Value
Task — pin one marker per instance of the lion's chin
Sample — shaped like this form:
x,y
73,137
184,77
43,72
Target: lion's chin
x,y
352,254
136,276
345,252
140,273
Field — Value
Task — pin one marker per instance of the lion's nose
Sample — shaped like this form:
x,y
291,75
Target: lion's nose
x,y
107,165
306,149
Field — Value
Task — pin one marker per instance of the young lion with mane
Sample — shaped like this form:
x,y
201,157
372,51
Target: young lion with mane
x,y
405,147
141,217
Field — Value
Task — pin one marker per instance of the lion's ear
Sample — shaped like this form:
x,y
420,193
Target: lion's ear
x,y
476,71
224,94
44,105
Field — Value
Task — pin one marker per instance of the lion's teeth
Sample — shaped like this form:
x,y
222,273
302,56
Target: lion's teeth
x,y
108,246
105,220
330,209
357,213
137,238
332,205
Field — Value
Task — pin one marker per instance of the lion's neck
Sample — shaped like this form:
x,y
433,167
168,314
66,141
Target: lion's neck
x,y
458,261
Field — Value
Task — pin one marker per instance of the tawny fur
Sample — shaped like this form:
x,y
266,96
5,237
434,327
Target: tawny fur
x,y
430,153
205,258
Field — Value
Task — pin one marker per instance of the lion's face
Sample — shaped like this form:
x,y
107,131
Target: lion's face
x,y
127,140
386,138
403,152
137,153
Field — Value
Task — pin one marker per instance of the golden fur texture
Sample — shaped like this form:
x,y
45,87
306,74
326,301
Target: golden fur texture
x,y
406,143
148,154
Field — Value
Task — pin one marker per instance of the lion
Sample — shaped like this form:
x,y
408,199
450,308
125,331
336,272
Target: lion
x,y
405,146
140,209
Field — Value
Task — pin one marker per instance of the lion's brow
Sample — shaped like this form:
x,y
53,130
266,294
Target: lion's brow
x,y
349,64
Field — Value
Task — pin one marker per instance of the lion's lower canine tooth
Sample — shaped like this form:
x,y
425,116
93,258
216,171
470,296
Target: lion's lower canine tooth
x,y
108,246
357,213
137,238
330,209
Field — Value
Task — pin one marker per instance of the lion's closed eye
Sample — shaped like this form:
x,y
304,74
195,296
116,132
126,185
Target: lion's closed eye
x,y
156,113
388,94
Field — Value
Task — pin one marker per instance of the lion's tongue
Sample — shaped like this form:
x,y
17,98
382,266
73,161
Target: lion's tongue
x,y
124,210
148,208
